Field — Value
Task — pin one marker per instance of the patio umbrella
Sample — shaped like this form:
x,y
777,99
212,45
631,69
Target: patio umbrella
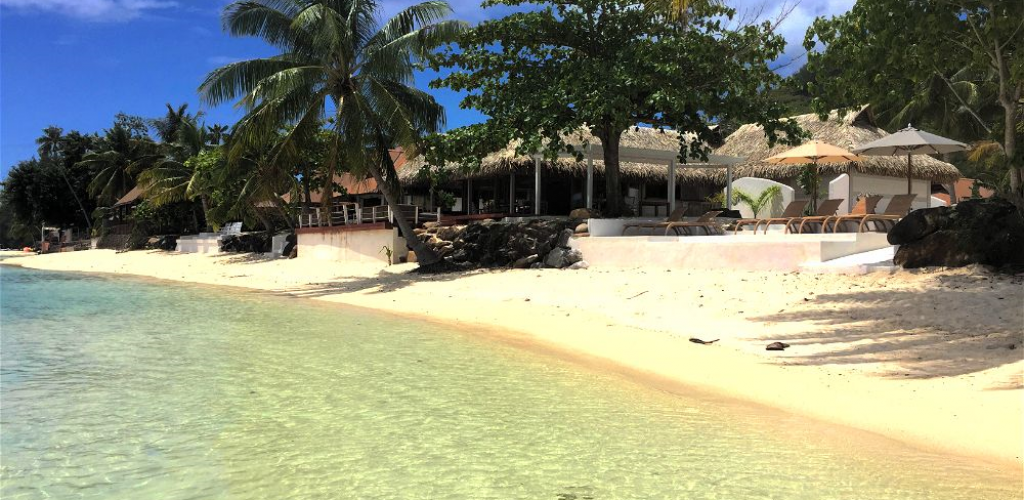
x,y
910,141
814,152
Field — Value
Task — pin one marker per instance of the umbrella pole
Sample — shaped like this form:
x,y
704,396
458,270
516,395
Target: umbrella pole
x,y
910,169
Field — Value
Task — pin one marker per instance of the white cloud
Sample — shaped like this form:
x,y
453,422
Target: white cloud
x,y
90,10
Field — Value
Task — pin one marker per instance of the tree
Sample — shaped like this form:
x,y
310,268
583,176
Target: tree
x,y
51,148
121,156
168,126
888,52
608,65
336,61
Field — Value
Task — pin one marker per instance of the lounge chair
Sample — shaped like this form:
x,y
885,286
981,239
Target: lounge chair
x,y
828,208
865,206
706,222
794,210
676,216
899,207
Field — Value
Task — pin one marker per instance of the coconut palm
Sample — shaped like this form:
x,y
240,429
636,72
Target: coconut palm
x,y
338,64
121,158
218,133
167,127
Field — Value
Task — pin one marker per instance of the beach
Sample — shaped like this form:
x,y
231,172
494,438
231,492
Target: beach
x,y
931,358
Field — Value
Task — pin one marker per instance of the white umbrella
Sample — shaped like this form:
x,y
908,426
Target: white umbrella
x,y
910,141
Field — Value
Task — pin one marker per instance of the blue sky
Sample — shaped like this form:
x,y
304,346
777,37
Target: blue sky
x,y
76,63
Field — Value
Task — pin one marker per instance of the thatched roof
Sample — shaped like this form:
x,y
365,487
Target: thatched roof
x,y
506,161
130,197
853,129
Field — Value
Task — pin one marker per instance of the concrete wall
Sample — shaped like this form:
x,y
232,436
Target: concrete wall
x,y
762,252
755,186
881,185
201,243
351,245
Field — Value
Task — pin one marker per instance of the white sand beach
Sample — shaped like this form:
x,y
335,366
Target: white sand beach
x,y
930,358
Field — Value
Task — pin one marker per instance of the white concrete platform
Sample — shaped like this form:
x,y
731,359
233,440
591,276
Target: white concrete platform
x,y
200,243
774,251
859,263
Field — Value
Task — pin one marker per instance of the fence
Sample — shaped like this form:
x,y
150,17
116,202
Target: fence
x,y
346,213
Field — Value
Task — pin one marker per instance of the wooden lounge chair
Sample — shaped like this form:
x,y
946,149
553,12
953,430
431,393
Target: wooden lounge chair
x,y
828,208
676,216
706,222
794,210
865,206
899,207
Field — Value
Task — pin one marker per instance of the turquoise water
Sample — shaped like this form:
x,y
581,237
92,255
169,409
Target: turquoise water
x,y
127,389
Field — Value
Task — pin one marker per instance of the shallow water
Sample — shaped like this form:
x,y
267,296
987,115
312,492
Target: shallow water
x,y
119,388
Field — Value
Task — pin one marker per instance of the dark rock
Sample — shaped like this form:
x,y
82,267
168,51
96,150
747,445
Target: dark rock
x,y
167,243
290,244
583,213
460,255
537,265
450,233
918,224
564,237
246,243
556,258
525,262
776,346
988,232
572,256
703,342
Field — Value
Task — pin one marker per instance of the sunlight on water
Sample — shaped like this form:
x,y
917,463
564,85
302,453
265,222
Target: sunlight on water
x,y
116,388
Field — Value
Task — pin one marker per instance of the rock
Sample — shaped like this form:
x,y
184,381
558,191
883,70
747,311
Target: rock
x,y
564,237
537,265
435,242
294,253
703,342
411,256
562,257
246,243
460,255
582,228
580,265
450,233
290,244
525,262
444,251
431,225
776,346
583,213
988,232
918,224
573,256
419,231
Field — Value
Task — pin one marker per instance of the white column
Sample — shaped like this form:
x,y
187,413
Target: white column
x,y
512,193
536,185
671,185
728,187
469,196
590,178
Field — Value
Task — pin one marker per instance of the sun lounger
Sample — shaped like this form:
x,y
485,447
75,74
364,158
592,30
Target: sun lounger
x,y
675,216
706,222
794,210
828,208
899,207
865,206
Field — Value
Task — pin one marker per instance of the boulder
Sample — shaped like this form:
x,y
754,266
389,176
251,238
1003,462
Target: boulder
x,y
582,228
562,257
525,262
988,232
450,233
583,213
580,265
290,243
431,225
564,237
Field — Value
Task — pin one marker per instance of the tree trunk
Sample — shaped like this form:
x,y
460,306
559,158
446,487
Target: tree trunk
x,y
1010,147
307,206
612,187
206,212
425,256
284,213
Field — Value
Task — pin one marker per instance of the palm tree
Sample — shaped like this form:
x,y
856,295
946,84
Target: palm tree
x,y
49,143
167,127
218,133
121,159
337,62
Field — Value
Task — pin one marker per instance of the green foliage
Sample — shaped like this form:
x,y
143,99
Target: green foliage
x,y
956,67
610,65
119,157
337,62
757,204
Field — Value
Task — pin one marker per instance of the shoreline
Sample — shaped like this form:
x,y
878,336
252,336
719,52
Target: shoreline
x,y
975,414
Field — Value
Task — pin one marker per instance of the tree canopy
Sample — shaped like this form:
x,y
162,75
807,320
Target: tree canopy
x,y
609,65
943,62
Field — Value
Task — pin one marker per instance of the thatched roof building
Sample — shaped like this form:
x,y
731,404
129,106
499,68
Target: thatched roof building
x,y
853,129
506,161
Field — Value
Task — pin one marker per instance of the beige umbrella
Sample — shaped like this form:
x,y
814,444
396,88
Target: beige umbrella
x,y
911,141
814,152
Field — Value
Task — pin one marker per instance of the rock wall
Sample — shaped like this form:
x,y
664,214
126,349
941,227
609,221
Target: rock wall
x,y
988,232
531,244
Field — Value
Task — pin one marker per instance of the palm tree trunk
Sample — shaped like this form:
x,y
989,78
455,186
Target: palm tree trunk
x,y
425,256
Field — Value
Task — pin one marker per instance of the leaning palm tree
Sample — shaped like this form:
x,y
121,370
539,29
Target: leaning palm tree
x,y
340,65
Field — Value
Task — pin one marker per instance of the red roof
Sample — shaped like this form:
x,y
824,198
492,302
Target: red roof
x,y
964,188
357,185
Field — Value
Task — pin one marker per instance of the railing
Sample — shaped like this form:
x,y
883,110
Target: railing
x,y
343,214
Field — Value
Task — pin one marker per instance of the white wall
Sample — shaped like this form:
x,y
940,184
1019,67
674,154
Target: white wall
x,y
755,186
354,246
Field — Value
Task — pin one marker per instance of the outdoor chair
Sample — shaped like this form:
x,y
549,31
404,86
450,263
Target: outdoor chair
x,y
705,222
827,209
865,206
899,207
675,216
794,210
